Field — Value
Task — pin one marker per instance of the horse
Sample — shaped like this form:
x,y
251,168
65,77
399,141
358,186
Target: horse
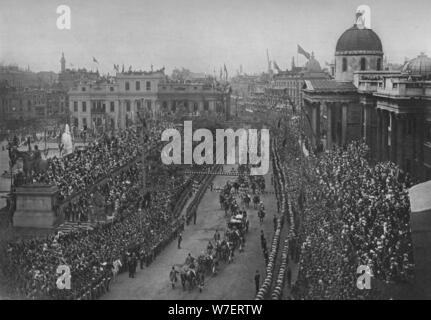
x,y
188,277
207,264
30,162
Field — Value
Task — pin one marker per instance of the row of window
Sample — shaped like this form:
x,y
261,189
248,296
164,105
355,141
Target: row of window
x,y
291,84
127,86
363,64
137,85
195,106
98,106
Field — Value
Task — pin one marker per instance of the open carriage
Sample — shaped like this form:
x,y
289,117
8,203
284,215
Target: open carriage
x,y
239,222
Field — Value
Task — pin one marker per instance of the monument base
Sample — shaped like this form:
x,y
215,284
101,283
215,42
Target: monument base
x,y
35,207
35,219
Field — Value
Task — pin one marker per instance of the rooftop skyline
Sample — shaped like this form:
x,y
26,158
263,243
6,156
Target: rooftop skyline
x,y
199,35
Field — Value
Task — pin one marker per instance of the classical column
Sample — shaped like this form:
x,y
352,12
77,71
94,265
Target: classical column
x,y
385,136
367,124
400,140
336,109
317,123
394,137
329,129
379,135
343,125
372,112
313,124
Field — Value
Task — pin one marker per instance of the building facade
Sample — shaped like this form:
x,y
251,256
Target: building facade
x,y
117,103
390,110
68,78
287,85
29,103
403,104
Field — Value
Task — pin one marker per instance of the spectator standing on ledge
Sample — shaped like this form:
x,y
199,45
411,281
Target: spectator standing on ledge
x,y
257,280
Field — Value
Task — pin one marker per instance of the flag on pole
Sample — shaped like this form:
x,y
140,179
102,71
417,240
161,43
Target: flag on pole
x,y
303,52
225,71
276,66
94,60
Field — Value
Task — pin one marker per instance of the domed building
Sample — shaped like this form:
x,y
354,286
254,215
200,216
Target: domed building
x,y
419,66
358,49
312,65
389,109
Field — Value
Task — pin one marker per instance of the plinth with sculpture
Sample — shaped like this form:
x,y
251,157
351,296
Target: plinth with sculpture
x,y
35,206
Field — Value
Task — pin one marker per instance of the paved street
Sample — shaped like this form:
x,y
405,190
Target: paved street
x,y
234,281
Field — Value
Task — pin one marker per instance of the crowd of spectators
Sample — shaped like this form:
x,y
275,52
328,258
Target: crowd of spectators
x,y
31,265
351,212
139,227
80,170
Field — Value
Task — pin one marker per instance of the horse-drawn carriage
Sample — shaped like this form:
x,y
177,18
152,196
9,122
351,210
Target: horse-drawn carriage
x,y
237,227
188,275
193,271
239,222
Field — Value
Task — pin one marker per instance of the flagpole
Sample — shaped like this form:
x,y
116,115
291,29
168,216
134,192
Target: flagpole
x,y
297,58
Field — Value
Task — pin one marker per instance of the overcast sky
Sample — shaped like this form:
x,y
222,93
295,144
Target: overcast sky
x,y
200,35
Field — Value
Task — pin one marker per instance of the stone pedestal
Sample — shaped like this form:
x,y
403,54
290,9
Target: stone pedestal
x,y
34,207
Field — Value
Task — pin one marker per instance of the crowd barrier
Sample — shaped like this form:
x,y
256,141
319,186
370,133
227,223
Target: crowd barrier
x,y
289,242
263,291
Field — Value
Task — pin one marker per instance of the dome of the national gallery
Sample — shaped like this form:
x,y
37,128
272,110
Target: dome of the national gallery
x,y
359,40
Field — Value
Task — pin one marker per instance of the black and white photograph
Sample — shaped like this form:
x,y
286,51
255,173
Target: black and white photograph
x,y
219,152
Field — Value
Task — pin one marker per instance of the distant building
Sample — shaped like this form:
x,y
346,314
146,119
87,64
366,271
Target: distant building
x,y
115,103
287,85
30,103
193,98
247,85
68,78
20,78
